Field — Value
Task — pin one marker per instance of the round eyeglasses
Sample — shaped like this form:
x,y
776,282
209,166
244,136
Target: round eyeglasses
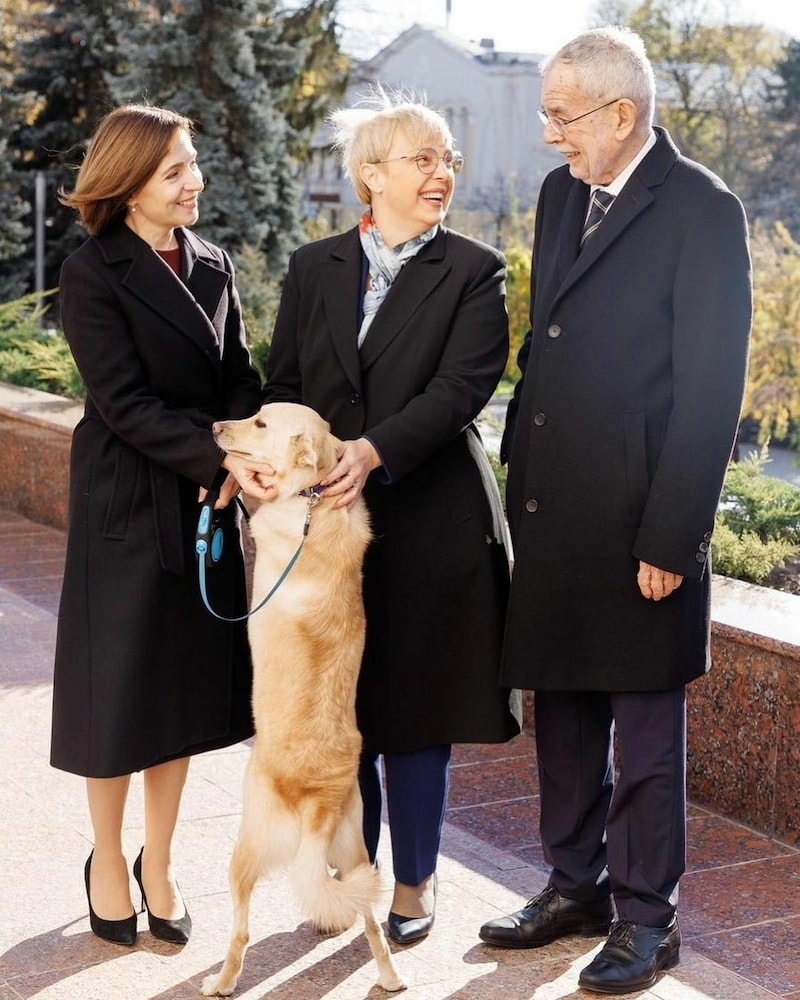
x,y
560,125
427,160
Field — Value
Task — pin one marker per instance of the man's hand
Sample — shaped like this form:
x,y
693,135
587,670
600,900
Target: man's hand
x,y
656,583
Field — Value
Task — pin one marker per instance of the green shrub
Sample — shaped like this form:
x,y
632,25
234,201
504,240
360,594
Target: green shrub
x,y
259,291
34,357
754,501
23,316
745,556
518,303
758,522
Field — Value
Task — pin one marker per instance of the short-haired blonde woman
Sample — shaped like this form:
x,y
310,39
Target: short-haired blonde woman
x,y
397,333
144,676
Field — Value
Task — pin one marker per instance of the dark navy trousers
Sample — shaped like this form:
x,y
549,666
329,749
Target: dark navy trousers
x,y
416,800
623,835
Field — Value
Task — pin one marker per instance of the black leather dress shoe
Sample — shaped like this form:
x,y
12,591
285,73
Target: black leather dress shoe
x,y
546,917
632,957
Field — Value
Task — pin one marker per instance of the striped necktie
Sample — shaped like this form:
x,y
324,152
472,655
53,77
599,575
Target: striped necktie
x,y
601,201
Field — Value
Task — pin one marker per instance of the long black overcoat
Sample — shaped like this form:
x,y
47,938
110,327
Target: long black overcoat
x,y
622,426
436,574
143,673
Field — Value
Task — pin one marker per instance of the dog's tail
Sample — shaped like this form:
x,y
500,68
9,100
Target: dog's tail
x,y
334,902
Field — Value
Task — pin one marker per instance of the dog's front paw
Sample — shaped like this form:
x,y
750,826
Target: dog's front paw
x,y
213,986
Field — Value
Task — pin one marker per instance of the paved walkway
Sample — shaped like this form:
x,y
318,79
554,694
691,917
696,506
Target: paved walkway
x,y
740,903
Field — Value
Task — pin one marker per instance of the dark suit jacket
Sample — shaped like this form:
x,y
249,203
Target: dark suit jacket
x,y
622,426
436,575
143,672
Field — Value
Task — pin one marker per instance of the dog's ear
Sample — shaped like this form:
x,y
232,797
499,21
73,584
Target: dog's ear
x,y
329,449
303,451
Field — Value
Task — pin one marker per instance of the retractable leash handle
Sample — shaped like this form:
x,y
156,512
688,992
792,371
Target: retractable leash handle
x,y
209,545
209,538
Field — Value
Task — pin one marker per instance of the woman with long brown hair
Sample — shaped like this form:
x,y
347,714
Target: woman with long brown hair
x,y
144,676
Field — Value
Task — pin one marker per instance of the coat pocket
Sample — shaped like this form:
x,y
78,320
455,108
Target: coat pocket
x,y
123,490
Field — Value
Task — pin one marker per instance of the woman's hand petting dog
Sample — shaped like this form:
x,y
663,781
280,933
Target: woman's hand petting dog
x,y
246,474
346,480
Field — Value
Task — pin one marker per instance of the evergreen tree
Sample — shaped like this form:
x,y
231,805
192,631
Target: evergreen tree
x,y
311,30
226,66
14,232
57,92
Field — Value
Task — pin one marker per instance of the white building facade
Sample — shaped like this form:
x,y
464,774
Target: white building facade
x,y
490,99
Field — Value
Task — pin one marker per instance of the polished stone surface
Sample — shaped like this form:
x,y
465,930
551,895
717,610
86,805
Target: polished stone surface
x,y
740,899
36,429
744,716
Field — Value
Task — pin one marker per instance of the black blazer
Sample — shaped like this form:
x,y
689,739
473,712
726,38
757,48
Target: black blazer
x,y
436,575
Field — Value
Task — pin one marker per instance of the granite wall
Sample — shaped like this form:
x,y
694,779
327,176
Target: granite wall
x,y
744,717
36,430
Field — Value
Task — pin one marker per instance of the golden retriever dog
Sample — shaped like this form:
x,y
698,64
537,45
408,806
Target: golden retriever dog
x,y
302,806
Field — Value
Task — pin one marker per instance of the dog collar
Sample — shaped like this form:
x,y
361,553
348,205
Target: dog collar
x,y
313,493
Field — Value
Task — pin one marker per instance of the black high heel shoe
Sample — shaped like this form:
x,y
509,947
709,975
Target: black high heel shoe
x,y
175,931
405,930
118,931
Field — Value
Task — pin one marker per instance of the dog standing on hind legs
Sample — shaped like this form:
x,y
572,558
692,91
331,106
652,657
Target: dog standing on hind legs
x,y
302,804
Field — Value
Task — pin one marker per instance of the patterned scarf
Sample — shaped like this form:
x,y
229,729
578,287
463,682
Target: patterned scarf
x,y
385,264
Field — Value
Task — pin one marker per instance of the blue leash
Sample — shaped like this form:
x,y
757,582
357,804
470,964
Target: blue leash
x,y
209,543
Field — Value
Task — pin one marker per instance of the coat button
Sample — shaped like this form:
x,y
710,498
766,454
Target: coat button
x,y
703,546
700,557
554,331
707,536
355,399
531,506
540,419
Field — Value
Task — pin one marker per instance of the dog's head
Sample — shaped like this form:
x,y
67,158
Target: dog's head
x,y
292,438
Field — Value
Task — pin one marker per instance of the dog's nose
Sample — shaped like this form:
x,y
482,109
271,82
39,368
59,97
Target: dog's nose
x,y
216,427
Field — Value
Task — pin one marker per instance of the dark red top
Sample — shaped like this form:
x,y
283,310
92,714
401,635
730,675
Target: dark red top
x,y
173,258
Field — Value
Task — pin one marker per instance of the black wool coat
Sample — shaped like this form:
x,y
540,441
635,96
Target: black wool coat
x,y
622,426
436,574
143,673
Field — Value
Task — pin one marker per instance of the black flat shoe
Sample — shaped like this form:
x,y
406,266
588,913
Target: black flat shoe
x,y
174,931
405,930
632,957
117,931
547,917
